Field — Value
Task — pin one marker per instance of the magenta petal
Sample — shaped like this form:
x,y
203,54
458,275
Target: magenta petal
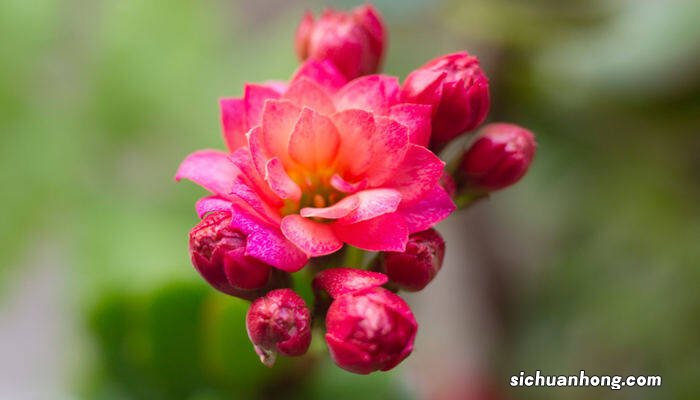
x,y
416,117
255,96
338,281
387,232
435,206
322,72
209,204
337,210
388,149
243,159
242,192
419,171
344,186
306,93
314,238
265,242
234,123
373,203
280,182
210,169
374,93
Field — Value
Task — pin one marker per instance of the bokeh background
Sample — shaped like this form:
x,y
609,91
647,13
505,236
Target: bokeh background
x,y
592,262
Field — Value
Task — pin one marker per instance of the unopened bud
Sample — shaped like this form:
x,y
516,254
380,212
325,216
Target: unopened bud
x,y
413,269
279,322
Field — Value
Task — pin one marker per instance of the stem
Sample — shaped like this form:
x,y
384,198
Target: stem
x,y
354,257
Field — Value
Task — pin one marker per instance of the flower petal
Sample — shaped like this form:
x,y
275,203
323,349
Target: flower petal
x,y
387,232
280,182
243,193
416,117
373,203
339,281
314,141
419,171
375,93
314,238
356,128
233,122
265,242
209,204
306,93
337,210
278,120
254,97
322,72
243,159
344,186
210,169
435,206
388,149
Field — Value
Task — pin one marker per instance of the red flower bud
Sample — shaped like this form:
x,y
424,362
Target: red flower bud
x,y
218,254
369,330
457,89
498,158
279,322
353,41
339,281
413,269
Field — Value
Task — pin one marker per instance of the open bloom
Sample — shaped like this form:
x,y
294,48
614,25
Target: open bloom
x,y
354,41
321,163
498,158
458,90
369,330
279,322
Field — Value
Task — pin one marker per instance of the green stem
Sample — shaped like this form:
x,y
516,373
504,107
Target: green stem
x,y
354,257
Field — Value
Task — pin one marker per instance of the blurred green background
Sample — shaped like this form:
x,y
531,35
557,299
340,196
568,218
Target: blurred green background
x,y
592,262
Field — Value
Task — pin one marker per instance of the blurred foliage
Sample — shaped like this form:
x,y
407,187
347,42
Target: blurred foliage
x,y
99,101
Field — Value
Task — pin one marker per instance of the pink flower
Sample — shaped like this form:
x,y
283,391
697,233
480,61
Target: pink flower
x,y
354,41
279,322
498,158
322,163
369,330
458,90
217,253
414,268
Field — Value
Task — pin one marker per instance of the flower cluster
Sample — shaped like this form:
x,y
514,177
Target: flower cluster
x,y
335,161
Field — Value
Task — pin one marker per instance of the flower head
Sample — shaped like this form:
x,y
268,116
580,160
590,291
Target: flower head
x,y
279,322
218,254
369,330
414,268
354,41
324,163
498,158
458,91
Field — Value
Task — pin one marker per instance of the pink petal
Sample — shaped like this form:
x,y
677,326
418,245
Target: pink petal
x,y
373,203
388,149
314,141
435,206
416,117
243,193
356,128
375,93
278,120
344,186
258,151
242,158
322,72
387,232
423,86
254,96
209,204
280,182
314,238
234,123
307,93
339,281
419,172
265,242
210,169
337,210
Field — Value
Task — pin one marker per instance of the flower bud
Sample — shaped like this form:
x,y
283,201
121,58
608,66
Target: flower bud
x,y
279,322
498,158
218,254
457,89
339,281
369,330
413,269
353,41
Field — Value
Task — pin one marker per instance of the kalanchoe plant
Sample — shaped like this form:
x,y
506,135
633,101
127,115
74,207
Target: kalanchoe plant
x,y
329,165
